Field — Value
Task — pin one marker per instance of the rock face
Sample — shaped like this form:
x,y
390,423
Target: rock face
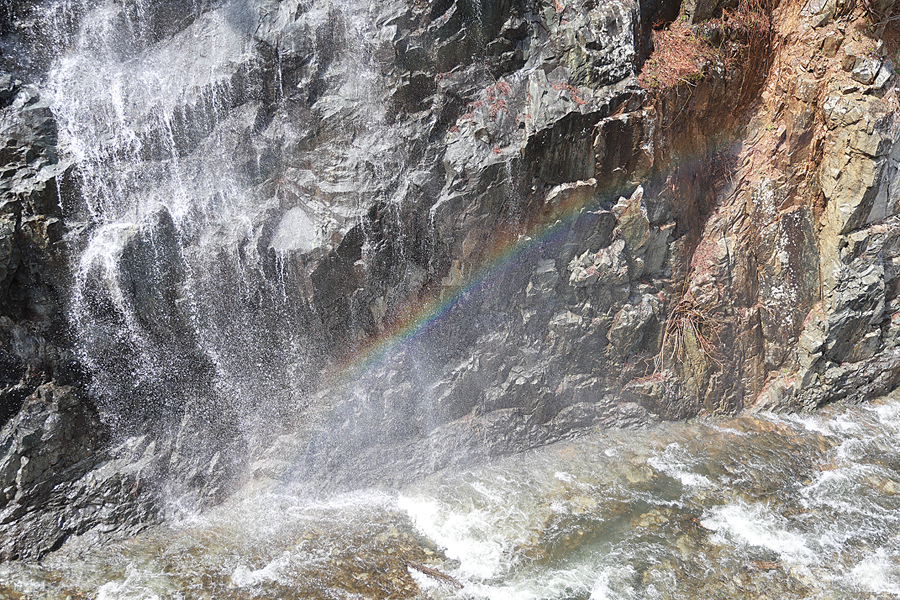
x,y
32,259
820,325
207,228
44,447
60,476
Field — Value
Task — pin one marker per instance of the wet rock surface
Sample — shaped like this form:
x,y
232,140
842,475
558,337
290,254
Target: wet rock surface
x,y
61,476
418,182
33,268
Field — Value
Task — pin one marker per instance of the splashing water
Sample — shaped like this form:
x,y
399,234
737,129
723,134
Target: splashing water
x,y
177,198
763,507
196,238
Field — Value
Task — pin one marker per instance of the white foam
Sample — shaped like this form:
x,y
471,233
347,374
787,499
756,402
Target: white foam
x,y
469,536
423,581
565,477
839,425
758,526
889,414
120,591
553,583
245,577
133,588
672,463
851,450
879,573
613,584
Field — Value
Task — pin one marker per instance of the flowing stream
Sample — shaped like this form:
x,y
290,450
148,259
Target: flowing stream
x,y
750,507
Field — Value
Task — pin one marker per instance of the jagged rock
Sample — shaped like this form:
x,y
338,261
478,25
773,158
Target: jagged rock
x,y
832,43
8,251
60,477
848,62
865,348
856,303
885,72
633,225
634,325
542,285
630,415
563,324
854,177
34,272
865,70
823,11
812,339
563,197
657,252
789,281
51,441
891,334
661,395
852,382
700,10
592,232
608,266
778,395
598,46
583,414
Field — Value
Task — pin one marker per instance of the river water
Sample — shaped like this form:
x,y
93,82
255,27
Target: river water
x,y
757,506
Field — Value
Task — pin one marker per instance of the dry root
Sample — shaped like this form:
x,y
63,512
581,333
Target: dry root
x,y
687,318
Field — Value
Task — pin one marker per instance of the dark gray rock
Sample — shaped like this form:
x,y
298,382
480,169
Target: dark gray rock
x,y
700,10
634,324
61,477
51,441
542,285
608,266
857,303
885,72
660,394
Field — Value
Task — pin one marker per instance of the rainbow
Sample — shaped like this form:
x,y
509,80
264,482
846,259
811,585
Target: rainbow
x,y
510,251
507,250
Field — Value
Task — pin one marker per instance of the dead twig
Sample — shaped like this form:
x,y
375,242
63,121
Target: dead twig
x,y
687,318
434,573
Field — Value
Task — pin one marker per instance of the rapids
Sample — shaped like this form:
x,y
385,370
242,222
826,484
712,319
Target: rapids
x,y
757,506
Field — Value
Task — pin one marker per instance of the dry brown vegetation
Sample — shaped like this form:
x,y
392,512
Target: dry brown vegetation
x,y
682,53
679,55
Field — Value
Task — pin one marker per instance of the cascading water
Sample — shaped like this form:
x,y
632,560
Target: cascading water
x,y
199,196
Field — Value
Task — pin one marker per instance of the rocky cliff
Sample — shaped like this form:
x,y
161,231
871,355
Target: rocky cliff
x,y
588,213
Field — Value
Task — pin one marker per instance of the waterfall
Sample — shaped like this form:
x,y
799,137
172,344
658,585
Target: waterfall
x,y
268,191
202,206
